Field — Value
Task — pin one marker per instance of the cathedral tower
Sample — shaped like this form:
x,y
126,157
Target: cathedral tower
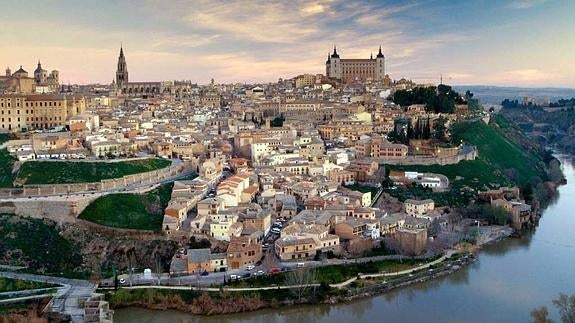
x,y
122,70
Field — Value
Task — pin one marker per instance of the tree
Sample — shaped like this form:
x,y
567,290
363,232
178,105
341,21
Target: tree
x,y
566,306
439,128
199,244
410,132
301,278
540,315
434,228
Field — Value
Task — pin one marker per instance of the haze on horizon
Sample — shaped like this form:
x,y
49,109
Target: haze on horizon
x,y
488,42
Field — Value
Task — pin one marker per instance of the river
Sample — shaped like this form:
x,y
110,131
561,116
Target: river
x,y
509,279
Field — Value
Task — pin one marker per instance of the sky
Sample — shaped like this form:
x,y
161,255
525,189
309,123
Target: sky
x,y
488,42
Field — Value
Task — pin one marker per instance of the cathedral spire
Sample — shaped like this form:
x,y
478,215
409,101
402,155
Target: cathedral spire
x,y
122,68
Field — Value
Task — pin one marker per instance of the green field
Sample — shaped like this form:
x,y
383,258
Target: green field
x,y
6,164
130,211
62,172
12,285
37,245
501,162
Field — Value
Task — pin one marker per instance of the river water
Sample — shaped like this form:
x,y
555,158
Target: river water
x,y
509,279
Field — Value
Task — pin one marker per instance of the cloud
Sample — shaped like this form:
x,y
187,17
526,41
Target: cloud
x,y
313,8
376,17
263,40
527,75
525,4
192,41
260,21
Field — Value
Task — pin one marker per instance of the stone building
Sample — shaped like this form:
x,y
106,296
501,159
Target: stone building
x,y
347,70
148,89
26,112
412,241
18,82
243,251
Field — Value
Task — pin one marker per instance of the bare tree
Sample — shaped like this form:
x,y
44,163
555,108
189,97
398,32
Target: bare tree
x,y
540,315
158,264
302,279
130,255
270,261
566,306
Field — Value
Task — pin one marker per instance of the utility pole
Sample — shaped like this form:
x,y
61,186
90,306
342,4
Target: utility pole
x,y
131,269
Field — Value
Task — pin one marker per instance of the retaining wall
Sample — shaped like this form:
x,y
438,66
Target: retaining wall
x,y
103,185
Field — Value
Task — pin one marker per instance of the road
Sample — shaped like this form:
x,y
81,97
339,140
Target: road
x,y
66,299
219,278
190,285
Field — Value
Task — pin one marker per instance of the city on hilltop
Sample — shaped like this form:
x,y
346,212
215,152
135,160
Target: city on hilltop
x,y
326,187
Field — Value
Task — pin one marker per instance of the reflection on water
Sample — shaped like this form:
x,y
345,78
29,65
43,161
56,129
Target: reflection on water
x,y
511,278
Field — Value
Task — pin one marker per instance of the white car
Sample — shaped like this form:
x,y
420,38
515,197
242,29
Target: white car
x,y
259,273
122,281
234,277
250,267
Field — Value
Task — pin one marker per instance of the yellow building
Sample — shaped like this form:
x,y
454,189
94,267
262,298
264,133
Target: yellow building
x,y
25,112
305,80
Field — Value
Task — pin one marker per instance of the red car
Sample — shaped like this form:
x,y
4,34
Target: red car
x,y
275,270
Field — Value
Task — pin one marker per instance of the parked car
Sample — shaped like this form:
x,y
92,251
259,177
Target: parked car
x,y
122,281
204,273
275,270
300,264
259,273
250,267
234,277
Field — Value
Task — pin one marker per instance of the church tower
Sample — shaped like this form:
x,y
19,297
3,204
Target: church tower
x,y
122,70
379,65
335,68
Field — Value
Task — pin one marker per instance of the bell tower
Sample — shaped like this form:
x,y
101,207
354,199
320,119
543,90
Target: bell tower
x,y
121,70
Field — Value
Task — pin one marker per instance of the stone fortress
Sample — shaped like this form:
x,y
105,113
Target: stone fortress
x,y
347,70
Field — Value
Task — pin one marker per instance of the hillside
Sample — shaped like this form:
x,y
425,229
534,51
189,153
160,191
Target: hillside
x,y
130,211
506,157
79,250
504,149
63,172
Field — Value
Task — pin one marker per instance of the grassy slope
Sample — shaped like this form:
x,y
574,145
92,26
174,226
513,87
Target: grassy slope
x,y
53,172
130,211
35,244
496,154
10,285
6,164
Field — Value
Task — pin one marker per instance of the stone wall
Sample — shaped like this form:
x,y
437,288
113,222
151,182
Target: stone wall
x,y
61,211
424,160
103,185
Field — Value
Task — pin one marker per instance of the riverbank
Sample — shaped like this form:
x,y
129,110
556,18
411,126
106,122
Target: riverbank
x,y
226,300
